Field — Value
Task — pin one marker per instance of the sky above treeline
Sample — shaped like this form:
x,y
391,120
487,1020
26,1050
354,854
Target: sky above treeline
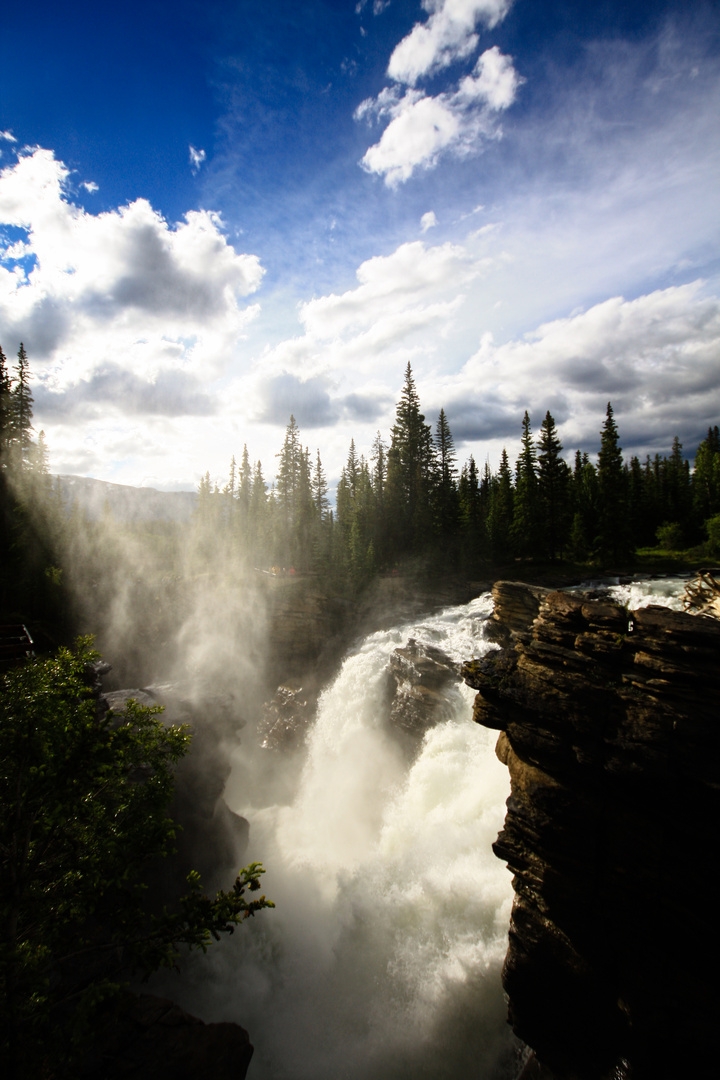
x,y
216,213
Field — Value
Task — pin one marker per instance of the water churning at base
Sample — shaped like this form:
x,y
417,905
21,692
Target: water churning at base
x,y
382,959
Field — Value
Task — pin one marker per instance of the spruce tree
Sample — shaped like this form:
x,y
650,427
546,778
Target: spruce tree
x,y
4,409
552,490
500,517
446,504
613,523
409,478
471,523
705,485
21,413
525,524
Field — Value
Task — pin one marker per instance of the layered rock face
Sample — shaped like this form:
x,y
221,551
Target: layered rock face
x,y
610,729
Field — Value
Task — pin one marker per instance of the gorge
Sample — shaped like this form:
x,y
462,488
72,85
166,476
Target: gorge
x,y
385,952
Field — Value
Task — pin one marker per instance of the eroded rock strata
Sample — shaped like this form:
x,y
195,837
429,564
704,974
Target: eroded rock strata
x,y
609,725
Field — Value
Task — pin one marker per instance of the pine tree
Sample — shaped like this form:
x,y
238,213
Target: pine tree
x,y
409,478
244,495
613,524
5,406
705,484
21,413
525,524
320,490
378,456
471,521
446,505
500,517
287,492
553,475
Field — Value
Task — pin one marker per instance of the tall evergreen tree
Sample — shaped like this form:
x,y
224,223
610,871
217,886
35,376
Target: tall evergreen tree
x,y
5,400
553,475
21,413
447,510
500,517
245,483
471,520
613,524
705,484
525,524
410,463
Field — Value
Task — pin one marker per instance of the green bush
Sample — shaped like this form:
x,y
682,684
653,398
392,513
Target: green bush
x,y
83,811
712,528
670,536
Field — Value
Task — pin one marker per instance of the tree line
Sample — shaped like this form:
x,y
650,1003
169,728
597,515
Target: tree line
x,y
408,500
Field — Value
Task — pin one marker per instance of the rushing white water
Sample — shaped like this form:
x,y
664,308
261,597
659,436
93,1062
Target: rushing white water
x,y
382,958
668,592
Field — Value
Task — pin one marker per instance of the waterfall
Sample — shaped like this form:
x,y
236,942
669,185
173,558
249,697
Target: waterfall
x,y
382,958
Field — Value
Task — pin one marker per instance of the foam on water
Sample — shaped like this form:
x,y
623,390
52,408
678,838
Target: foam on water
x,y
382,958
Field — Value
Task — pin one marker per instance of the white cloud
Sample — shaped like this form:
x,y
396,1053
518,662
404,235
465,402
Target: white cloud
x,y
90,186
120,287
197,157
7,136
422,128
447,36
428,221
655,357
391,287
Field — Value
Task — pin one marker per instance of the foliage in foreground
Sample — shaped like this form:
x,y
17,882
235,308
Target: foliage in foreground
x,y
83,801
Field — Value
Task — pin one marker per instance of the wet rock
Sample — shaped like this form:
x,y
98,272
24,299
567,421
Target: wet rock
x,y
150,1038
609,729
286,720
421,681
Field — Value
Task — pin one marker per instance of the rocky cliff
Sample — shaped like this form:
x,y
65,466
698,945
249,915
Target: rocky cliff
x,y
609,726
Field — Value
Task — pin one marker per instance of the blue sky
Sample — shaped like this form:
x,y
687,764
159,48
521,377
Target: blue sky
x,y
215,214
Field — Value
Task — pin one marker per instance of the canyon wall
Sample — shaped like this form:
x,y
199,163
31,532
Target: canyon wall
x,y
610,728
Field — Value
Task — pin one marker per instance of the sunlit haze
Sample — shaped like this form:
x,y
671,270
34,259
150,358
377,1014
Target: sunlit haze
x,y
215,215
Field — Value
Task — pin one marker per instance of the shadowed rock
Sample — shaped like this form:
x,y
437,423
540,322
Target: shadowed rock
x,y
609,728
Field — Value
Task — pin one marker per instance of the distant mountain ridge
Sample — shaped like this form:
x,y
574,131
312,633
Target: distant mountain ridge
x,y
128,504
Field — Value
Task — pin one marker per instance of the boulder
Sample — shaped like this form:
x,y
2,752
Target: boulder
x,y
420,680
151,1038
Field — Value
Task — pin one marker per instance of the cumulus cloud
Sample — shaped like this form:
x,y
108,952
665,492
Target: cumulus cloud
x,y
392,289
447,36
646,355
87,292
90,186
428,221
422,127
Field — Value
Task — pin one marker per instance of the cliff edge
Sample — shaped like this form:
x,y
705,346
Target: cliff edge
x,y
610,728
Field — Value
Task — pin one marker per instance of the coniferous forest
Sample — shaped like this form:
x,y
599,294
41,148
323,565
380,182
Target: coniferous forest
x,y
406,501
409,499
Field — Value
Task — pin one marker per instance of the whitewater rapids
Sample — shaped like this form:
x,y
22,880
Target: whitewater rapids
x,y
382,958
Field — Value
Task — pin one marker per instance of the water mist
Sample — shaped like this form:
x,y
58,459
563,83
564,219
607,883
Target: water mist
x,y
383,956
